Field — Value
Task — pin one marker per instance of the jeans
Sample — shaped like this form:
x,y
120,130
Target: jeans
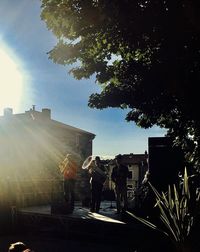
x,y
69,187
96,191
121,197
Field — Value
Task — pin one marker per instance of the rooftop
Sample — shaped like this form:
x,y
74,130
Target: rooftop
x,y
34,115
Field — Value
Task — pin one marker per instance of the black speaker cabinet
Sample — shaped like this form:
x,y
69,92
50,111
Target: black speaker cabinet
x,y
165,161
61,208
59,205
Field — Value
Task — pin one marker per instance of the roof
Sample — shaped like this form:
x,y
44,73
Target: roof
x,y
44,116
71,127
134,158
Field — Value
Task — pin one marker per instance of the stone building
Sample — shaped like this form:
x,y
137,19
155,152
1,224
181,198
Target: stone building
x,y
32,144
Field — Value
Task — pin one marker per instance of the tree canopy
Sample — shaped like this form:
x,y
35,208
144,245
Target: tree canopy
x,y
145,54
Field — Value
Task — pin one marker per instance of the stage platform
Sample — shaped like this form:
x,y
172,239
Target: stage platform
x,y
81,224
107,213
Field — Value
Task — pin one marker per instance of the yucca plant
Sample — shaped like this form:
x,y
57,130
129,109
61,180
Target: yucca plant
x,y
177,212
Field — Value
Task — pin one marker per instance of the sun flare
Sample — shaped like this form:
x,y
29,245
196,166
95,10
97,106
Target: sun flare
x,y
11,80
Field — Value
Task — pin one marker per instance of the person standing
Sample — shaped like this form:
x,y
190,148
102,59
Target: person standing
x,y
69,168
97,180
119,176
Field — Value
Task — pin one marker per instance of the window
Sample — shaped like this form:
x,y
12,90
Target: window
x,y
130,175
130,186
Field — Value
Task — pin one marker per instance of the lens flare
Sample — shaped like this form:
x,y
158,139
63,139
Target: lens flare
x,y
12,79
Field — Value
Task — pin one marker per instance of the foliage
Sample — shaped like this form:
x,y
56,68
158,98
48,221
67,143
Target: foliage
x,y
145,56
178,212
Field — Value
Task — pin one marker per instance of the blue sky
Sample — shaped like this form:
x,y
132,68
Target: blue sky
x,y
26,40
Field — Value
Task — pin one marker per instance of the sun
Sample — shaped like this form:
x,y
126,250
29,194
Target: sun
x,y
11,80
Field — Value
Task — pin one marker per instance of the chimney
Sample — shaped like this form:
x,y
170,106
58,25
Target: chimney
x,y
46,113
7,112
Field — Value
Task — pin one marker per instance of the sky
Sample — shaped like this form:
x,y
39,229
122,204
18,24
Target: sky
x,y
29,78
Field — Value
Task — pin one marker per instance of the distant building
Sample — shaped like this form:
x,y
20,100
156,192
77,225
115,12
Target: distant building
x,y
32,144
137,165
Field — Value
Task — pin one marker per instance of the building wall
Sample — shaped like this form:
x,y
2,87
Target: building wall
x,y
132,182
32,147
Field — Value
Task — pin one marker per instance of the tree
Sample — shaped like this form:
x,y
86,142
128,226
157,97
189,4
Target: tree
x,y
145,55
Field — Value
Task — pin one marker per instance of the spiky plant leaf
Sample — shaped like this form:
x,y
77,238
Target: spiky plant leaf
x,y
170,197
176,200
174,212
171,234
185,184
147,223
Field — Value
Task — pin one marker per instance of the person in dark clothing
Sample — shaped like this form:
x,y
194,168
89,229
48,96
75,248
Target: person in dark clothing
x,y
119,176
97,180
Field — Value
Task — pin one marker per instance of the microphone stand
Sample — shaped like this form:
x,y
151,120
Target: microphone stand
x,y
111,189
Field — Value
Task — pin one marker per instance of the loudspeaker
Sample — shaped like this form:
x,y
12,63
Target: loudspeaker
x,y
165,161
61,208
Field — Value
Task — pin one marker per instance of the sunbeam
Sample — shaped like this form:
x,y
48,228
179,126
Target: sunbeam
x,y
12,79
